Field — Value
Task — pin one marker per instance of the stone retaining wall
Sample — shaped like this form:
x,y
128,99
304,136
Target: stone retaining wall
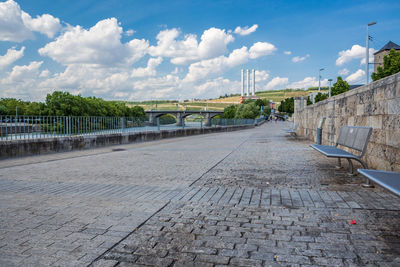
x,y
17,148
376,105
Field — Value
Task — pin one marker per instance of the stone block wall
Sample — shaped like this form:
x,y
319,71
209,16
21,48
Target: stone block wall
x,y
376,105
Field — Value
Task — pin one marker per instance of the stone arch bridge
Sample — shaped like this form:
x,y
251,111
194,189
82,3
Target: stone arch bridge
x,y
180,115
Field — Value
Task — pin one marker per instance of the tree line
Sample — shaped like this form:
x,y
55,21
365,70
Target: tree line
x,y
250,109
65,104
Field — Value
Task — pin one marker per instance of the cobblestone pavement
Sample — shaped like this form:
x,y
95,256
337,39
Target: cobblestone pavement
x,y
272,202
67,209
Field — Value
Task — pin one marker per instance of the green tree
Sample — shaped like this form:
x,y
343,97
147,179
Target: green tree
x,y
391,65
259,102
230,112
339,87
287,105
247,111
3,110
320,96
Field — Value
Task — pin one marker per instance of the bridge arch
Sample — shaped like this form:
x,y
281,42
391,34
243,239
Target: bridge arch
x,y
181,114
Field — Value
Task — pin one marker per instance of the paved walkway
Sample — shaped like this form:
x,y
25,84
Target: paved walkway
x,y
246,198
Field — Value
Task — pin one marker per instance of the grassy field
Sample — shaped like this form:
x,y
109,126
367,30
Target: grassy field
x,y
220,103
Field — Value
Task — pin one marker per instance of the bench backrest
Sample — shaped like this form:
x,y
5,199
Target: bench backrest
x,y
355,137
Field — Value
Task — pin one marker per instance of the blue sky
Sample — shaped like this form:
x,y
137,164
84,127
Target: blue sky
x,y
140,50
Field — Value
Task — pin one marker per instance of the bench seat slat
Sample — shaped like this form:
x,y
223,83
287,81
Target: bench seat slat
x,y
388,180
332,151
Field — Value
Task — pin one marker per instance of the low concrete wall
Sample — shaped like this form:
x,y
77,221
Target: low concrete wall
x,y
376,105
18,148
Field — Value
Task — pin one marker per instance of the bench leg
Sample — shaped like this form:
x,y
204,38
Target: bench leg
x,y
339,166
367,184
351,169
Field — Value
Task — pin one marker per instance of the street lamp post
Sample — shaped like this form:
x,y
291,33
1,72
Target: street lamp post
x,y
330,83
367,53
319,80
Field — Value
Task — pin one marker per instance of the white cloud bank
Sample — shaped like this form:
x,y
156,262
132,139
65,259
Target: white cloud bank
x,y
100,45
356,77
205,68
17,25
213,43
356,52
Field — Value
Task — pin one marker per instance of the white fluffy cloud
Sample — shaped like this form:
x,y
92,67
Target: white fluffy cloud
x,y
261,76
218,65
260,49
287,52
299,59
11,56
277,83
213,43
22,74
246,30
17,25
343,72
307,82
100,45
150,70
356,52
45,24
356,77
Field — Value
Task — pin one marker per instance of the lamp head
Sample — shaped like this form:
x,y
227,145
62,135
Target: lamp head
x,y
372,23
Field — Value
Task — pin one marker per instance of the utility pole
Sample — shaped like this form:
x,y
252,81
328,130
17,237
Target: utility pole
x,y
367,54
319,80
330,83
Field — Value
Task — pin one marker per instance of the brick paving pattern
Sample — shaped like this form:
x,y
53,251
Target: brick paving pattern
x,y
247,198
272,202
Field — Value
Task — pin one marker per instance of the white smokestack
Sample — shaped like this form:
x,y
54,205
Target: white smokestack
x,y
254,82
242,92
248,82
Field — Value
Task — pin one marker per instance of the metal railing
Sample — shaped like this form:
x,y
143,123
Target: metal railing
x,y
35,127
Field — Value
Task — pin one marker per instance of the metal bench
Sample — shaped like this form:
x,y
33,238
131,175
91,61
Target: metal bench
x,y
354,137
292,131
388,180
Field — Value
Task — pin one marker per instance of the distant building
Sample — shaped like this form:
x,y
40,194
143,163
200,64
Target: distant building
x,y
378,56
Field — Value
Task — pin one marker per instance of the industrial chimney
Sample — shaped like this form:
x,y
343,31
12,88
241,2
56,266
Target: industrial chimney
x,y
254,82
242,92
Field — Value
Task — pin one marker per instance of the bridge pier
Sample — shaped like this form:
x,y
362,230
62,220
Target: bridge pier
x,y
180,120
208,120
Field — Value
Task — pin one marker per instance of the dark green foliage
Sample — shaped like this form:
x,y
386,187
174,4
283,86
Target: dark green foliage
x,y
339,87
287,105
320,96
267,111
259,102
247,110
167,119
3,110
65,104
230,112
391,65
309,102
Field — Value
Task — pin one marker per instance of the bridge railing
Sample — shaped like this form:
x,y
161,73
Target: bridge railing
x,y
35,127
